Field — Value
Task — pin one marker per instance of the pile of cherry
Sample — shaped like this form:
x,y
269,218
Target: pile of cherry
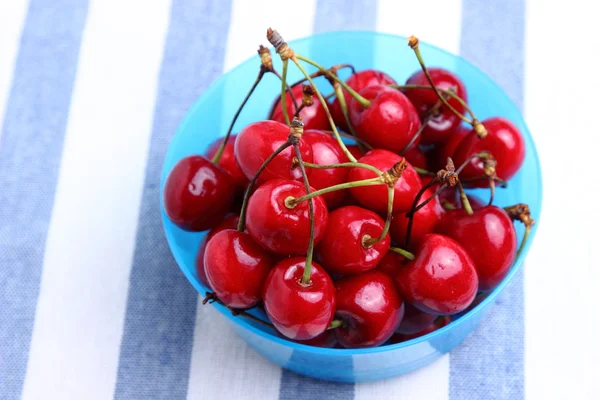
x,y
353,245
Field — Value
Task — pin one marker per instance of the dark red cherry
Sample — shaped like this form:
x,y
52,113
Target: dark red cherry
x,y
299,311
343,249
414,320
197,194
231,222
441,279
389,122
278,228
447,149
437,323
236,268
355,151
490,239
370,307
257,141
450,194
358,81
326,339
424,221
326,150
375,197
416,157
314,117
227,160
503,141
390,264
445,122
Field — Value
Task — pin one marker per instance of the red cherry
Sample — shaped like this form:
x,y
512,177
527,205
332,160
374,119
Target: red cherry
x,y
236,268
278,228
488,235
436,324
448,148
326,150
416,157
389,122
390,264
414,320
231,222
370,307
314,117
424,221
441,126
450,194
197,194
375,197
299,311
326,339
441,279
257,141
227,160
503,141
355,151
342,250
358,81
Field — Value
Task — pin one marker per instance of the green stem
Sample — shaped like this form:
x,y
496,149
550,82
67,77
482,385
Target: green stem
x,y
291,202
345,165
288,88
464,199
413,209
422,171
283,96
219,152
524,240
248,192
364,102
342,99
324,104
446,92
417,133
492,190
404,253
336,323
358,141
388,220
311,241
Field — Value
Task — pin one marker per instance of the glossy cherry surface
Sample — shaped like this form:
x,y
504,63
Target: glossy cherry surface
x,y
390,264
437,323
229,222
416,157
358,81
313,117
197,194
355,151
424,221
447,149
326,150
375,198
342,249
414,320
227,160
488,235
278,228
443,124
389,122
370,307
450,194
257,141
299,311
441,279
503,141
236,268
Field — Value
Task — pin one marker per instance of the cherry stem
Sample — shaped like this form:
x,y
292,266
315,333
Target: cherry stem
x,y
291,202
422,171
492,190
311,241
288,88
521,212
336,323
524,240
344,165
219,152
212,298
364,102
447,92
413,209
404,253
419,131
388,220
320,73
329,117
464,199
340,96
358,141
447,205
248,192
283,89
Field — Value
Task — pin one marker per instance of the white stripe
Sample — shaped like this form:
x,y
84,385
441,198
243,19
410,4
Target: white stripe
x,y
12,18
562,270
441,27
238,365
80,314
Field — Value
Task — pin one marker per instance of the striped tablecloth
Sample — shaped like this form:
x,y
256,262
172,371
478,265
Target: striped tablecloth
x,y
92,305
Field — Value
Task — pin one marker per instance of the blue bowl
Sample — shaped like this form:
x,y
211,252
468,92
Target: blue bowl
x,y
209,118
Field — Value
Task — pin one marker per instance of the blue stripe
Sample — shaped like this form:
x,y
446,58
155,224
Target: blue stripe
x,y
330,15
30,151
490,363
161,307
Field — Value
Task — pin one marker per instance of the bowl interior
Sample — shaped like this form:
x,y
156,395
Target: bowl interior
x,y
211,114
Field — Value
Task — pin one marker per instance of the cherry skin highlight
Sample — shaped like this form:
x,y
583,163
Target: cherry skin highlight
x,y
257,141
236,268
441,279
197,194
280,229
370,307
389,122
313,117
298,311
342,250
488,235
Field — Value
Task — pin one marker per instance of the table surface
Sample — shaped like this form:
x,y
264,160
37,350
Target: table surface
x,y
93,306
